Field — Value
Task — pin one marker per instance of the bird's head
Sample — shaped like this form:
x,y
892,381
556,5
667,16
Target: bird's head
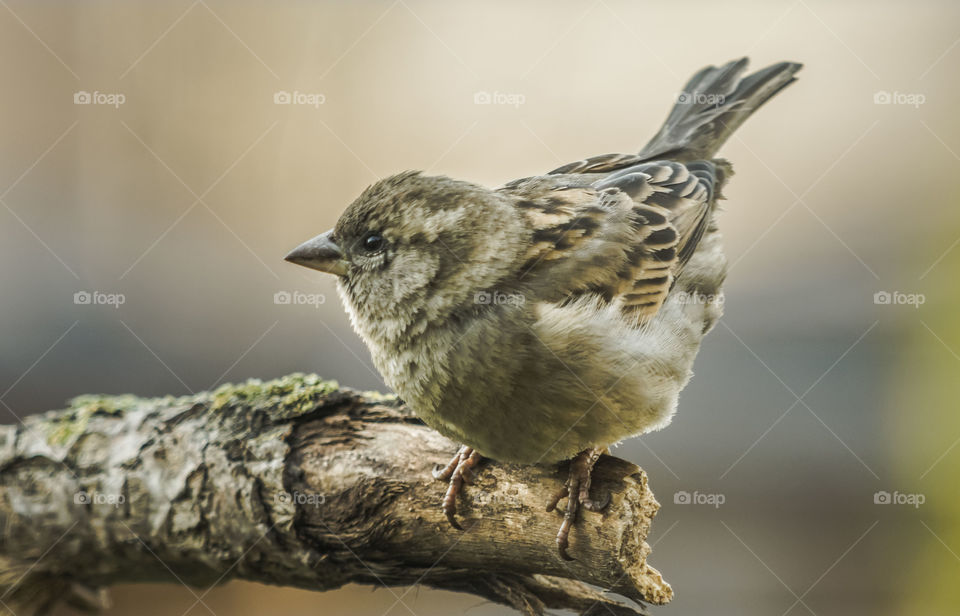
x,y
414,248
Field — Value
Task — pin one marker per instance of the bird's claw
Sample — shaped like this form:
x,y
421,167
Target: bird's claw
x,y
577,492
457,472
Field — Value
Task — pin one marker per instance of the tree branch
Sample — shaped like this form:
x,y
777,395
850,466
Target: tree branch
x,y
295,482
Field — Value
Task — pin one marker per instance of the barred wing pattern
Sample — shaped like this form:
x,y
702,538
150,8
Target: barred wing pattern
x,y
615,229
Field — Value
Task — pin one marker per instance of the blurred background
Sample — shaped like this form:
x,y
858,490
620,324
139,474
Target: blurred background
x,y
157,160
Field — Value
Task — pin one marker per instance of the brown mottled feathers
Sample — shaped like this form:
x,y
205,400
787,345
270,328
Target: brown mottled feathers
x,y
599,164
614,228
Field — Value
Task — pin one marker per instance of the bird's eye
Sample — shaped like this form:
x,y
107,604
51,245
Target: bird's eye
x,y
373,242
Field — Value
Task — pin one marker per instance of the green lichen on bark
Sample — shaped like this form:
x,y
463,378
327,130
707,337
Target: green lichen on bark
x,y
287,396
222,484
69,424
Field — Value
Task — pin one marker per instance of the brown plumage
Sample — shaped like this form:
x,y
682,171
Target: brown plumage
x,y
559,314
663,207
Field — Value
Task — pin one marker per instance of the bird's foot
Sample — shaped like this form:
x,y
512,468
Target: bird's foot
x,y
458,472
577,492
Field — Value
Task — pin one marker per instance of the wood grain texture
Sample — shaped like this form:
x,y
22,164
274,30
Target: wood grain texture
x,y
295,482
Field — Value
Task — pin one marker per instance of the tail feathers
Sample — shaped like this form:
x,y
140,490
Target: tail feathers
x,y
713,104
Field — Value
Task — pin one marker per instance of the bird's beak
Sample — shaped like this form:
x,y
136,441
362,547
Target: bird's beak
x,y
320,253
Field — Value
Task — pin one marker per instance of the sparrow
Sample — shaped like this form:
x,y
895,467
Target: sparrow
x,y
557,315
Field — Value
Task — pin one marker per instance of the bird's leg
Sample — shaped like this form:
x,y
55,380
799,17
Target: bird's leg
x,y
458,472
577,492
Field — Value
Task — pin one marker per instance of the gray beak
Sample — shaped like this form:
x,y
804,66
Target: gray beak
x,y
320,253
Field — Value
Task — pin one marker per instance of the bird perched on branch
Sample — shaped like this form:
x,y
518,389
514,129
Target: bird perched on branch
x,y
558,314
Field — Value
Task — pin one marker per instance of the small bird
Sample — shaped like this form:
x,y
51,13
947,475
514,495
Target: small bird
x,y
559,314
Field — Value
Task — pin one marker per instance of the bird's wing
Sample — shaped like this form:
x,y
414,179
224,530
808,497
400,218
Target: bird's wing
x,y
605,163
623,237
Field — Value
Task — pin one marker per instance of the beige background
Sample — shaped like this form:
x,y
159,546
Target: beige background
x,y
186,197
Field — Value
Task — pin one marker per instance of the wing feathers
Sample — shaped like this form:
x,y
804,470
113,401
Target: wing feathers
x,y
623,236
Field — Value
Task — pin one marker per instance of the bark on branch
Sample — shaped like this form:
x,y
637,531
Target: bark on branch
x,y
294,482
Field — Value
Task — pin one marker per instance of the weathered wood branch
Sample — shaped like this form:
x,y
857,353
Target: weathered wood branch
x,y
294,482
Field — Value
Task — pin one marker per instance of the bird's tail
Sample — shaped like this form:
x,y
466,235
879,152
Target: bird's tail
x,y
713,104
